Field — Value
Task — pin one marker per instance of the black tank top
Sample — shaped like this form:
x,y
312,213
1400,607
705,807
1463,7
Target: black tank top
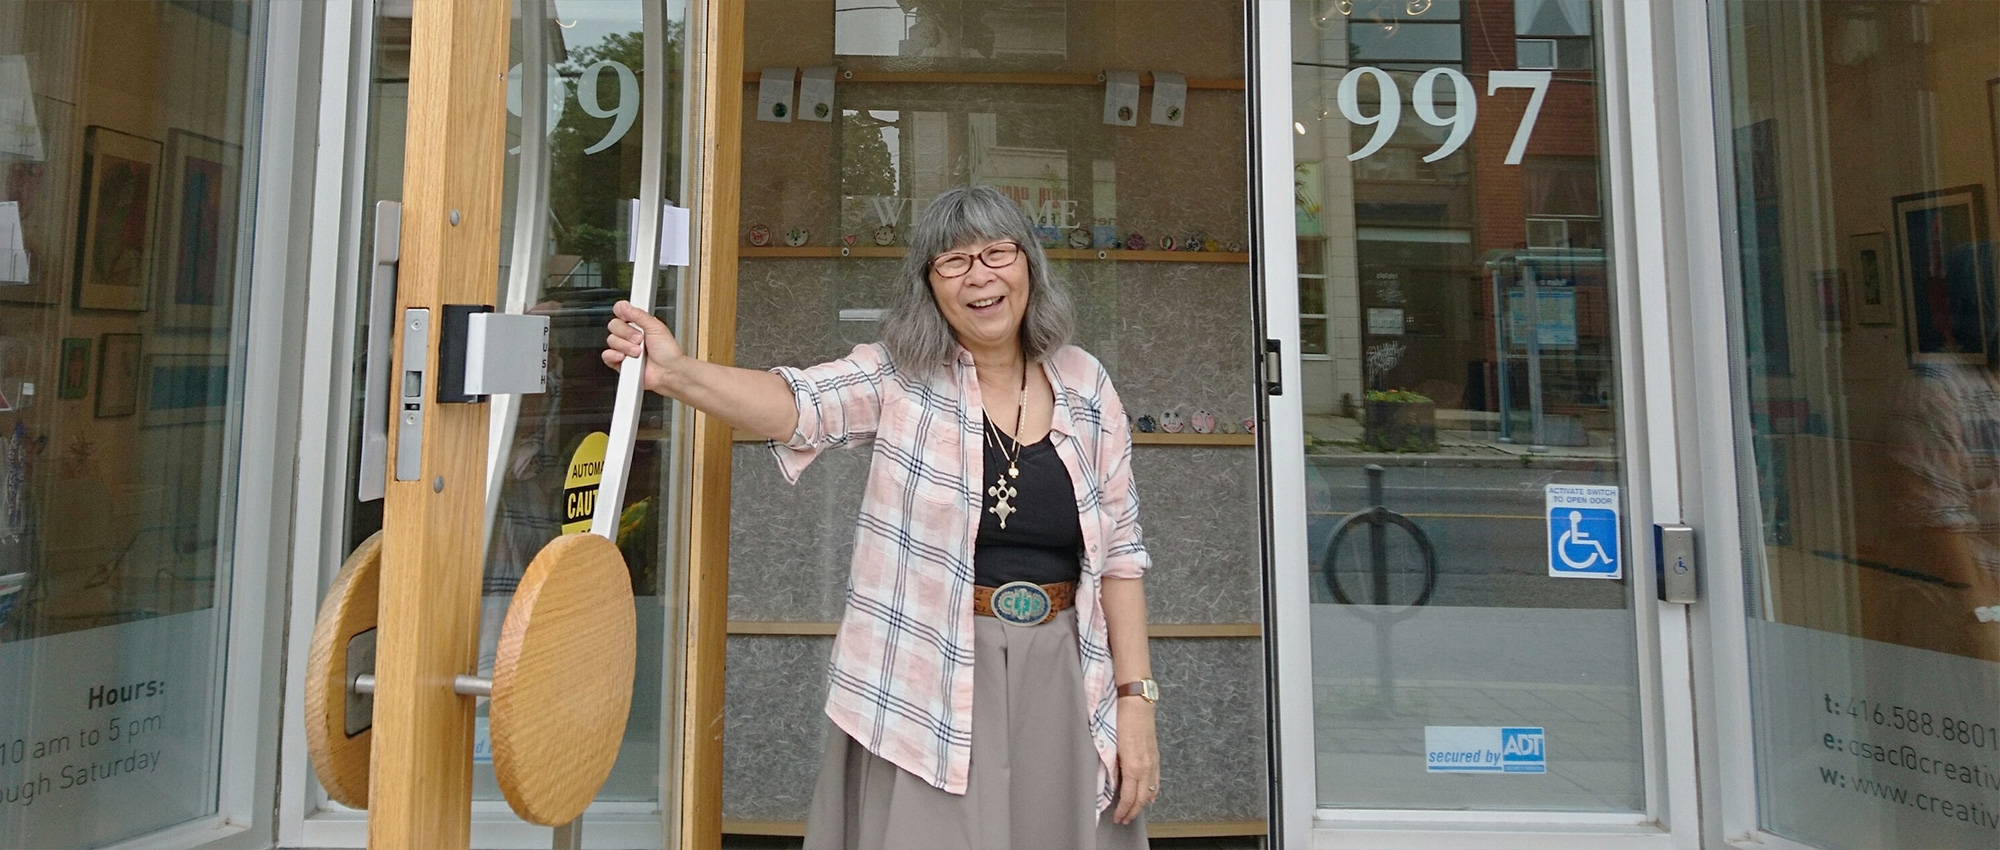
x,y
1044,536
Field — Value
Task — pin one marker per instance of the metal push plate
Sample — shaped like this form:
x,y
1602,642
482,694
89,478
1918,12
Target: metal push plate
x,y
1678,579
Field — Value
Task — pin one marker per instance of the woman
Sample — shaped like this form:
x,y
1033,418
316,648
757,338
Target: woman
x,y
990,682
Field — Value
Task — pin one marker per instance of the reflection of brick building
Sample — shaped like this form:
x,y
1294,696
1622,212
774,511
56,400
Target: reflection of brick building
x,y
1548,202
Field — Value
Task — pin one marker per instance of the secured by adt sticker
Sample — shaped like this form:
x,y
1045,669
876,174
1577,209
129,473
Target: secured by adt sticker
x,y
1485,749
1583,531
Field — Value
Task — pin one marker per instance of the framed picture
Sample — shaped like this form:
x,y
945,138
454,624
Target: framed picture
x,y
186,389
74,380
1873,296
117,375
114,256
1945,264
44,191
198,233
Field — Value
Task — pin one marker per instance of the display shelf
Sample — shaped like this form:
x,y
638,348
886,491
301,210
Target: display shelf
x,y
751,78
820,252
1138,439
1159,630
1158,439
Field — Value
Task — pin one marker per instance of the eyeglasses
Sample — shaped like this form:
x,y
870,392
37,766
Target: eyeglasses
x,y
999,255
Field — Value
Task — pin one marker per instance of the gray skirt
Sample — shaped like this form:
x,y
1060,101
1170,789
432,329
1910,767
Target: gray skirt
x,y
1034,769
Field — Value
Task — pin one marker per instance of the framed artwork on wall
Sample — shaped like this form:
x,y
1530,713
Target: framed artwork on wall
x,y
74,379
114,252
1944,262
186,389
197,233
117,375
44,191
1873,294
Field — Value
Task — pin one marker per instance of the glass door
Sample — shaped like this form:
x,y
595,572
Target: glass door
x,y
1466,630
596,133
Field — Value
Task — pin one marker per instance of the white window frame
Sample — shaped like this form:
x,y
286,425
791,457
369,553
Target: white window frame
x,y
1654,458
1715,416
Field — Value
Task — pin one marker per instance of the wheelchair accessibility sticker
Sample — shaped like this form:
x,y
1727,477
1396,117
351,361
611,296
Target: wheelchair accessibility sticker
x,y
1583,531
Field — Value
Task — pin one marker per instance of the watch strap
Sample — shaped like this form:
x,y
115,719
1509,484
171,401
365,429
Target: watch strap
x,y
1145,689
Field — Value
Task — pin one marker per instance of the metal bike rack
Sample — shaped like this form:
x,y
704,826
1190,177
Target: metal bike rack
x,y
1378,519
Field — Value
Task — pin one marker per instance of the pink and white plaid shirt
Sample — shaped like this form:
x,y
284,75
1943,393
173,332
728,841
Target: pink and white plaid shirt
x,y
901,680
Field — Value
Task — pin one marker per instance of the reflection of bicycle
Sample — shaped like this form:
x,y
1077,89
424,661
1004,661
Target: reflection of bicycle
x,y
1575,535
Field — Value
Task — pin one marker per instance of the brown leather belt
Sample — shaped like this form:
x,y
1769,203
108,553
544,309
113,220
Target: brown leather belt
x,y
1062,595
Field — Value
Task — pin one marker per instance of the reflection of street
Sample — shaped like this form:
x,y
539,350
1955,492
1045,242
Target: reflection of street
x,y
1484,519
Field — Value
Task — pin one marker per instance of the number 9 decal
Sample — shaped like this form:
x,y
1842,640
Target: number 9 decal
x,y
1387,115
622,115
1461,120
628,102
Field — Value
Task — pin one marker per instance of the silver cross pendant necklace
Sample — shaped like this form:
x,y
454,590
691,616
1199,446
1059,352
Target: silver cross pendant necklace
x,y
1002,491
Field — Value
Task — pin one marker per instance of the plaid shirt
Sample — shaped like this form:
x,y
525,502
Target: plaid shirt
x,y
901,679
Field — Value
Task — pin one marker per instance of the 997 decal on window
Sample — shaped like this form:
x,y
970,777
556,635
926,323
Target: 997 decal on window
x,y
1423,100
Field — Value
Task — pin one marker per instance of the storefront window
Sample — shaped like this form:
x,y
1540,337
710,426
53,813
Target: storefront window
x,y
125,198
1474,636
1860,153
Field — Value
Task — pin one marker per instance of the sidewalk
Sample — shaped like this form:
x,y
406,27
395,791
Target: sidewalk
x,y
1337,441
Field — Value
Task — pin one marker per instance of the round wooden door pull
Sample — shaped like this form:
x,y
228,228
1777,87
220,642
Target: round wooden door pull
x,y
562,679
337,722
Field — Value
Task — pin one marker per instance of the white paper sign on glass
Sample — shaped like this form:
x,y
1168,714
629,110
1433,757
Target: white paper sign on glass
x,y
774,94
1169,98
1121,98
13,248
20,133
674,225
816,94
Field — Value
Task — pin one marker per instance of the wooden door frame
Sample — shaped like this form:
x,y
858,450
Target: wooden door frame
x,y
718,192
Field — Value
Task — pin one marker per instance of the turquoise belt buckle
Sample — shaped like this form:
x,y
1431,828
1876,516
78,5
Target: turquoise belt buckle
x,y
1021,603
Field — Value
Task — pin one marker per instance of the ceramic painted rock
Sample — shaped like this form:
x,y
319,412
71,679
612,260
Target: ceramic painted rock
x,y
1203,422
797,236
760,235
1171,422
1147,425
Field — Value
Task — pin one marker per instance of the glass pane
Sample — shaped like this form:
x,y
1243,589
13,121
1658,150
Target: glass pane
x,y
825,218
574,263
1859,140
125,204
1474,644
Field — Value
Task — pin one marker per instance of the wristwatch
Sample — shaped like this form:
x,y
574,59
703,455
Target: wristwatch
x,y
1145,689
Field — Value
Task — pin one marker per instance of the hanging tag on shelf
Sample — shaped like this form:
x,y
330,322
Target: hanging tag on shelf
x,y
1169,98
816,94
1121,98
774,95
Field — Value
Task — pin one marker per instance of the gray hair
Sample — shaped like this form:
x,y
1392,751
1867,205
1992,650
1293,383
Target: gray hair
x,y
916,333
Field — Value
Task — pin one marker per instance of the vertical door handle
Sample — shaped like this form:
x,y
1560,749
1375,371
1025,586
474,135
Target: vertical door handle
x,y
375,390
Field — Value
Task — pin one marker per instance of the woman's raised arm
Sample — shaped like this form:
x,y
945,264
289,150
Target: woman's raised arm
x,y
754,401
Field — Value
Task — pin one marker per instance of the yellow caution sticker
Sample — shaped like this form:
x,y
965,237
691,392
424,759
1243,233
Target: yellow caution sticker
x,y
586,471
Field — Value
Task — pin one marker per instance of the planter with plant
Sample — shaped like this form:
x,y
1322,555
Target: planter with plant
x,y
1398,421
